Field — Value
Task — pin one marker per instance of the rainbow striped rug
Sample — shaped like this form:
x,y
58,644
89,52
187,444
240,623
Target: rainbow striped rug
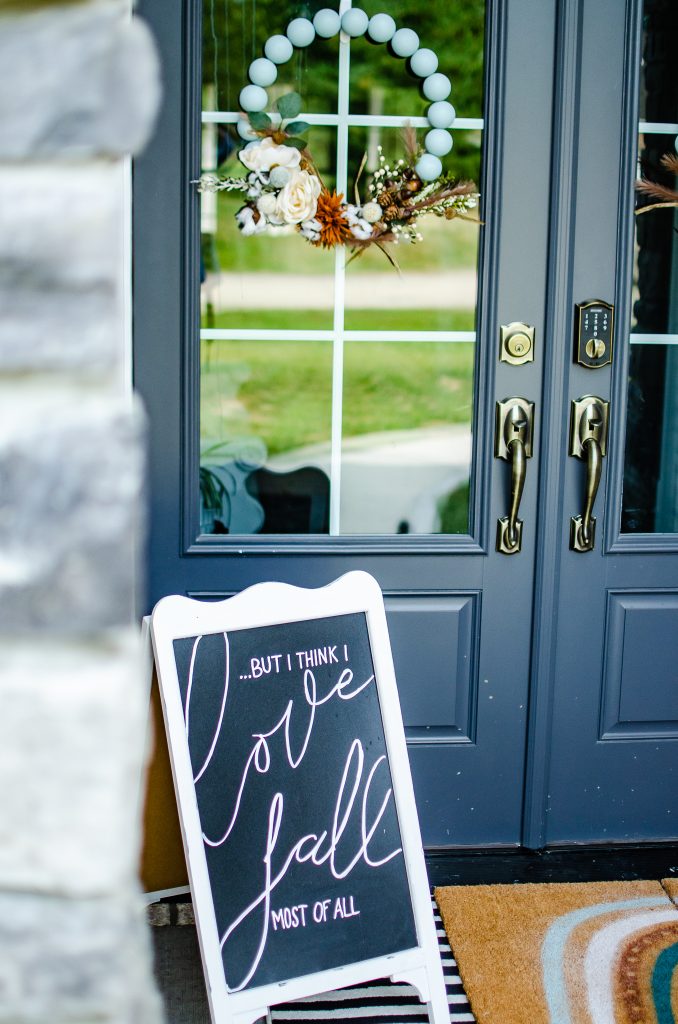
x,y
584,953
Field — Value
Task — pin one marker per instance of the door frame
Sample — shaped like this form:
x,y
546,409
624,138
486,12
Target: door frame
x,y
167,311
167,314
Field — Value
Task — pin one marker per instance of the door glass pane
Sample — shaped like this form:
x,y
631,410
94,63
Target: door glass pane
x,y
405,463
437,284
265,430
650,496
455,34
233,35
256,282
336,392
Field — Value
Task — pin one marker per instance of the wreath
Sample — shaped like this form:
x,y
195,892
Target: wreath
x,y
283,185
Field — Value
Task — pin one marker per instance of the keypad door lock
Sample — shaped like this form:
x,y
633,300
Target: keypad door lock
x,y
517,344
594,330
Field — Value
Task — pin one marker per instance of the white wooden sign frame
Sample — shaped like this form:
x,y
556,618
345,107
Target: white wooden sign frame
x,y
268,604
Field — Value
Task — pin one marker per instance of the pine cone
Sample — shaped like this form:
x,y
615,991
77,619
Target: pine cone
x,y
391,212
386,199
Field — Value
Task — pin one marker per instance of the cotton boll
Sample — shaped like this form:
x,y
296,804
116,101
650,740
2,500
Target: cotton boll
x,y
372,212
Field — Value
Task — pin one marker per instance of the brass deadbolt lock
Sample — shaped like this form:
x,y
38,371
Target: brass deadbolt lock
x,y
517,344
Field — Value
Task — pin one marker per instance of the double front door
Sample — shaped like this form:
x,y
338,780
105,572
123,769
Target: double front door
x,y
492,432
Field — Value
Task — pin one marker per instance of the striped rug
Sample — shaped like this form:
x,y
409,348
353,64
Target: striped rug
x,y
381,1001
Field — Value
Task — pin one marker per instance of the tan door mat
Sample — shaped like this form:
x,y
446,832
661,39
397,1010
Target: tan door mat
x,y
671,888
584,953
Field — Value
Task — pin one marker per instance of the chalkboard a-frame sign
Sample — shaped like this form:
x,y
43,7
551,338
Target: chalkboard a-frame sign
x,y
295,796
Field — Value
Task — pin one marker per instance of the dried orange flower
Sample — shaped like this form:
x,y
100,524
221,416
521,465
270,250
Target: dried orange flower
x,y
330,214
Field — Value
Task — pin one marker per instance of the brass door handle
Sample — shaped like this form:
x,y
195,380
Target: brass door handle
x,y
513,442
588,440
518,466
594,466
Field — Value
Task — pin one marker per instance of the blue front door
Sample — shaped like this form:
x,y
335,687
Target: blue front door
x,y
309,417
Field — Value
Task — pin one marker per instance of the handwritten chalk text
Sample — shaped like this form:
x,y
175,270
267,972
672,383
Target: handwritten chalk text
x,y
274,664
296,917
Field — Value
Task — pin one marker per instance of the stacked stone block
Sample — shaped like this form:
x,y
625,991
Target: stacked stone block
x,y
79,88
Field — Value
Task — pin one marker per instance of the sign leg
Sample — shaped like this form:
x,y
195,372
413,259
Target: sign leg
x,y
430,986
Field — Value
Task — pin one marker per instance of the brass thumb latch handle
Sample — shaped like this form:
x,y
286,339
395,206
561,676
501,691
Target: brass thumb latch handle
x,y
588,440
513,442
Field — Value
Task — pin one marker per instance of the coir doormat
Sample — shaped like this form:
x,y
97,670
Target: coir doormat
x,y
585,953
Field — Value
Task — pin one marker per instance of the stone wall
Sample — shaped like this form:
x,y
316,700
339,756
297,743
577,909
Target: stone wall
x,y
79,88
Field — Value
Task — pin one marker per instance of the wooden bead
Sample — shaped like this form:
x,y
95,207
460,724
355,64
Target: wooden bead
x,y
441,114
424,63
405,42
326,23
428,167
437,87
278,49
438,142
381,28
263,72
354,22
300,32
253,98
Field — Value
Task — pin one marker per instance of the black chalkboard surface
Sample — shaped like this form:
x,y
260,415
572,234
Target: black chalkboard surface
x,y
290,783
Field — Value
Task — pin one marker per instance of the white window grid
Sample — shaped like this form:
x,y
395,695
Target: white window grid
x,y
343,120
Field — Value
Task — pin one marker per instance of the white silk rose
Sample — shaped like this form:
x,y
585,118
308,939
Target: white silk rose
x,y
298,200
262,156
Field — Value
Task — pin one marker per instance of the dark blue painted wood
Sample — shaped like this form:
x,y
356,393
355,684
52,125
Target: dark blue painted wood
x,y
604,755
526,720
467,685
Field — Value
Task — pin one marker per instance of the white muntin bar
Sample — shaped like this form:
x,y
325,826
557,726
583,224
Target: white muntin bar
x,y
354,120
254,334
271,334
654,339
447,337
339,279
657,128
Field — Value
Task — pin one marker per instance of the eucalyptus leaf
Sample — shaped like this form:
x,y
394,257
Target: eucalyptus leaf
x,y
289,105
297,143
297,127
259,120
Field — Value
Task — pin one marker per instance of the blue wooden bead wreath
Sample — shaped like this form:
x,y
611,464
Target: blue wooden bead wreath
x,y
283,185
